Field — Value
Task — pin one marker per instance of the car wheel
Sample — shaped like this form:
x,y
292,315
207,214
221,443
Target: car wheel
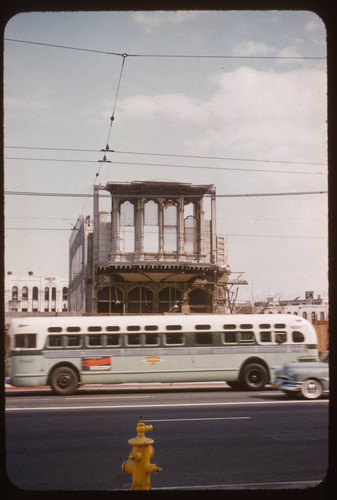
x,y
311,389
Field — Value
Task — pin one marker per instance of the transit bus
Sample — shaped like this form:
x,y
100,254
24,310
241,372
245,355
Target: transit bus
x,y
243,350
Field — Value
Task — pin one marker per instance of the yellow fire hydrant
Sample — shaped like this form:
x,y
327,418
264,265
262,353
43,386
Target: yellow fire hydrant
x,y
138,462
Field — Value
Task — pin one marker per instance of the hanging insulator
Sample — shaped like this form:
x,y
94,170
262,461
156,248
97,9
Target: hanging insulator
x,y
112,118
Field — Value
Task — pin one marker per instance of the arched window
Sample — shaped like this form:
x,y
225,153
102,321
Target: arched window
x,y
151,227
64,293
169,300
110,300
24,293
127,227
53,293
313,318
46,293
15,293
191,228
305,316
35,293
170,228
140,300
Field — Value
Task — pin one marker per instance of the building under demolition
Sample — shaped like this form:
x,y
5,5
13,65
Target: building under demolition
x,y
156,251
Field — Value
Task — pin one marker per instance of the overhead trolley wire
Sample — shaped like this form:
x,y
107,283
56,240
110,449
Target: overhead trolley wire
x,y
188,56
236,195
172,155
168,165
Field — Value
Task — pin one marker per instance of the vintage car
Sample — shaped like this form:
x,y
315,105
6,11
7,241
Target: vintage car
x,y
310,379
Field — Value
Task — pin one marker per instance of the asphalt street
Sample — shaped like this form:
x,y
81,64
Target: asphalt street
x,y
214,439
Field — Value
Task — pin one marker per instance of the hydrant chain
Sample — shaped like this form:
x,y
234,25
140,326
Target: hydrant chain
x,y
138,463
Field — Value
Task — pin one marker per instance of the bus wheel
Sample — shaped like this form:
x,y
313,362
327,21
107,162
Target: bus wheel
x,y
254,377
311,389
64,380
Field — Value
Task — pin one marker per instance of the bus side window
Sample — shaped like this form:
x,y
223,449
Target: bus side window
x,y
151,339
54,341
280,337
133,339
229,338
174,338
265,336
73,340
94,340
25,340
247,337
112,339
298,337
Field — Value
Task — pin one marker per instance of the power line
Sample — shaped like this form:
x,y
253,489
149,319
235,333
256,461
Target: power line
x,y
166,165
228,234
225,158
238,195
181,56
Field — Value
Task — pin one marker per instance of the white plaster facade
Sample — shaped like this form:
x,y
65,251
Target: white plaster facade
x,y
29,293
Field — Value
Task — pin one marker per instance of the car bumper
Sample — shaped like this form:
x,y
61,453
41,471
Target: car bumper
x,y
286,384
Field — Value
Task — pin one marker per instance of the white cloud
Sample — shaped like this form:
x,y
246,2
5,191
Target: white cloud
x,y
155,19
251,113
251,49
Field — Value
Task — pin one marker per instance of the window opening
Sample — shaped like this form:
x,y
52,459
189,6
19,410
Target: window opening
x,y
15,293
25,340
54,341
94,340
35,293
140,300
202,327
24,293
229,338
112,328
113,339
73,340
170,229
265,336
73,329
265,326
169,300
54,329
298,336
127,227
229,327
151,227
151,339
246,326
94,328
133,328
280,337
133,339
246,337
174,338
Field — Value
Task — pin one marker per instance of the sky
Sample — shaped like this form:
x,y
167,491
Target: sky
x,y
237,99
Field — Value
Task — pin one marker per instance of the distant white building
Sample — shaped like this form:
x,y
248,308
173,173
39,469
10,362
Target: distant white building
x,y
35,293
314,309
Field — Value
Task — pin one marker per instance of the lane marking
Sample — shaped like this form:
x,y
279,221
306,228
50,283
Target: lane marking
x,y
199,419
244,486
165,405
